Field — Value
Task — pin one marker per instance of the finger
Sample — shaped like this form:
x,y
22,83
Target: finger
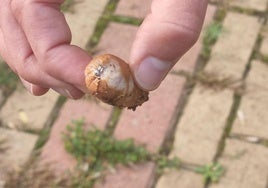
x,y
165,35
33,89
49,37
18,54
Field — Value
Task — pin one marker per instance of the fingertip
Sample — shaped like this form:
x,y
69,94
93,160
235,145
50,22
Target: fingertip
x,y
37,90
34,89
150,72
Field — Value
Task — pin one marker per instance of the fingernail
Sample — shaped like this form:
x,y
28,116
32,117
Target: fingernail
x,y
64,92
27,85
151,72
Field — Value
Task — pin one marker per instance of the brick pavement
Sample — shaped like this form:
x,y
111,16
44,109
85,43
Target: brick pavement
x,y
205,125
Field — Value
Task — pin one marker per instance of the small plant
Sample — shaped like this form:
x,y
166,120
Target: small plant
x,y
67,5
163,162
99,151
211,172
214,81
8,80
212,32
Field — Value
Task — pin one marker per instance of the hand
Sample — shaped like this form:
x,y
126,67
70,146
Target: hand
x,y
35,43
165,35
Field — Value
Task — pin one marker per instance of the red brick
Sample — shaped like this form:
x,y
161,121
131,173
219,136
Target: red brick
x,y
134,8
93,114
117,39
140,176
150,123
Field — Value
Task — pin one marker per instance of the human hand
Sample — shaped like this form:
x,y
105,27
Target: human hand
x,y
35,43
165,35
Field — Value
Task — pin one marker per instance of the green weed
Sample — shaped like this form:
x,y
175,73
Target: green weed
x,y
212,32
67,6
211,172
97,151
8,80
163,162
98,147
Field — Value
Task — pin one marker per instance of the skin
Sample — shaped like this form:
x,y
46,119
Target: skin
x,y
35,43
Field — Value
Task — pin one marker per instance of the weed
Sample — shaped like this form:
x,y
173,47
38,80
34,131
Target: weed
x,y
124,19
163,162
265,143
97,147
101,25
264,58
8,80
68,6
98,151
212,32
214,81
114,118
211,172
43,136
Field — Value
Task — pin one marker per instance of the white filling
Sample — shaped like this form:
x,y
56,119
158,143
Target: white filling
x,y
114,78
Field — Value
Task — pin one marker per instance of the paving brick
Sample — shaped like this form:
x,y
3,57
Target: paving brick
x,y
259,5
253,112
19,147
23,110
188,61
117,39
151,123
246,165
201,125
91,112
83,20
146,127
140,176
180,178
264,46
134,8
232,50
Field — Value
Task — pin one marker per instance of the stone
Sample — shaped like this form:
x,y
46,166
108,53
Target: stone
x,y
133,8
25,111
202,125
246,165
253,116
19,147
234,46
259,5
180,178
83,19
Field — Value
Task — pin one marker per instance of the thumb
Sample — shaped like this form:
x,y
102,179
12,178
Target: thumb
x,y
165,35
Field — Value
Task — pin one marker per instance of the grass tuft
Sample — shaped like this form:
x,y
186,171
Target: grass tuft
x,y
212,32
8,80
211,172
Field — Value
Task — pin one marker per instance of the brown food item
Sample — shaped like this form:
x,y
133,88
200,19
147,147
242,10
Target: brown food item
x,y
109,79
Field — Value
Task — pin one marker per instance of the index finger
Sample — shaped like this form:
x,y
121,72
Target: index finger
x,y
49,36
